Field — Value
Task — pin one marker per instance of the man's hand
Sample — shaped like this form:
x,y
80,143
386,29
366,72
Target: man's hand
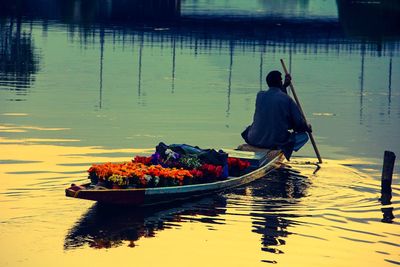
x,y
288,80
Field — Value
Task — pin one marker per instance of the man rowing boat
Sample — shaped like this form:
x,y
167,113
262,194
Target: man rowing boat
x,y
277,121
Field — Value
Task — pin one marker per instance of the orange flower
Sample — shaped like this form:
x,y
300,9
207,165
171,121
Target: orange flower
x,y
138,170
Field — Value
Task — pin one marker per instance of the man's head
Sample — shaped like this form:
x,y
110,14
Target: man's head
x,y
274,79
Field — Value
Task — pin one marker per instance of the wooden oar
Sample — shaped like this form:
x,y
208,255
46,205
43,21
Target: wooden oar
x,y
302,113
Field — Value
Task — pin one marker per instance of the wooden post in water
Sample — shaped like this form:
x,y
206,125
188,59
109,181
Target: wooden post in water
x,y
387,175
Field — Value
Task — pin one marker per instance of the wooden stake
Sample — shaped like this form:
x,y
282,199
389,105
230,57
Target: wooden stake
x,y
302,113
387,172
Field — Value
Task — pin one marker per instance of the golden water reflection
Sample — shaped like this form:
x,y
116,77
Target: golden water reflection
x,y
293,217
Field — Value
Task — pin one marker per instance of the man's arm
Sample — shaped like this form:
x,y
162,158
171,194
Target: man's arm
x,y
298,122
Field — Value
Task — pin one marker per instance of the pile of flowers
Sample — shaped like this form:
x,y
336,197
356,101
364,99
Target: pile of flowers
x,y
156,171
234,167
196,168
136,174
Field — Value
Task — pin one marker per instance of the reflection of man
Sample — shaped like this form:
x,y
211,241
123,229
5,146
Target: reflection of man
x,y
277,122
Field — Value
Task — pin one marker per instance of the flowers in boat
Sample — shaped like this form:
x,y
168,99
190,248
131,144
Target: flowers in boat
x,y
237,166
167,167
144,160
190,162
136,173
212,171
234,166
118,180
238,163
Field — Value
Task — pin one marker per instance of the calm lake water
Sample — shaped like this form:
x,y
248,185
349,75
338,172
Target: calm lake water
x,y
84,82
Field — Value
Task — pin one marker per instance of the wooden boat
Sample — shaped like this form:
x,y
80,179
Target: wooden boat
x,y
262,163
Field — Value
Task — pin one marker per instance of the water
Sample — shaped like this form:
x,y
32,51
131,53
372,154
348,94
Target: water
x,y
97,82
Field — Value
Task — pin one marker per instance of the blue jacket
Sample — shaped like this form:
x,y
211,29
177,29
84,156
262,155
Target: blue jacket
x,y
276,113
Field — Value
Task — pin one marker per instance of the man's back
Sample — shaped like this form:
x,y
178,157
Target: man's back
x,y
275,114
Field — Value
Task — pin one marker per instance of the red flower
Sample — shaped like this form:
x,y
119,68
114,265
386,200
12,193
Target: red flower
x,y
218,171
196,173
144,160
238,163
211,171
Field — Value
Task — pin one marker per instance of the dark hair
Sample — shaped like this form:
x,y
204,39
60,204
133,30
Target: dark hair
x,y
274,78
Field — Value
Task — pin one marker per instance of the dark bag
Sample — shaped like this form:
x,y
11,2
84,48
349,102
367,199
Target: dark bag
x,y
210,156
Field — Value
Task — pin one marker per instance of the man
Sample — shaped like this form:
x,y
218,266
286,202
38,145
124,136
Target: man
x,y
277,122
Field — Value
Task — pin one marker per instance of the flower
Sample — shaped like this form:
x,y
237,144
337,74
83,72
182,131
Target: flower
x,y
190,162
211,171
171,154
122,173
196,173
144,160
118,179
238,163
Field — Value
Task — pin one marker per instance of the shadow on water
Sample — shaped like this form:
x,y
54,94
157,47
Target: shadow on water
x,y
105,226
109,226
271,209
387,211
19,61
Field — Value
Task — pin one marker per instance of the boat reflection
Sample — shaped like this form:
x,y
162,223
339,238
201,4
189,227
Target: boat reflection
x,y
108,226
